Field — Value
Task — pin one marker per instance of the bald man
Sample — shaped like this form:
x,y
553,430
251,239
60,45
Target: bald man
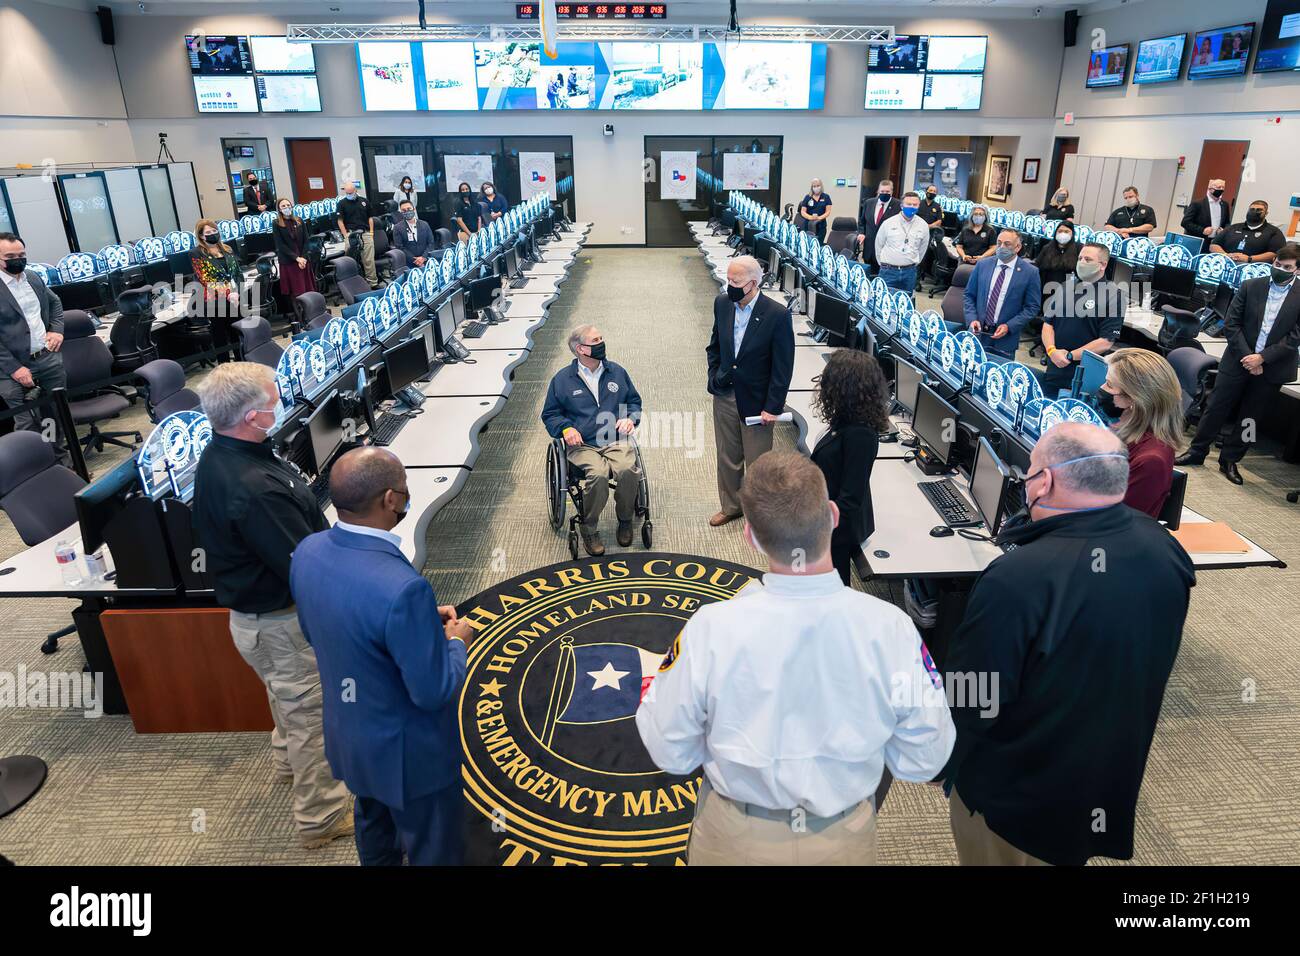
x,y
1072,634
392,662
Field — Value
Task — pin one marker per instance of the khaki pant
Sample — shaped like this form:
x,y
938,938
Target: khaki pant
x,y
977,845
274,646
724,834
598,466
739,445
368,258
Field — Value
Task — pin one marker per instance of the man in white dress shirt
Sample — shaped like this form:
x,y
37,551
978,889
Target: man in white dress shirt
x,y
901,243
794,695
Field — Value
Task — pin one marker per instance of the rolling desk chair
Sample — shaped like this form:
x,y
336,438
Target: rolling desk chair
x,y
352,285
1193,369
164,389
953,306
131,337
310,311
36,492
843,229
87,360
257,343
1179,330
443,238
1171,514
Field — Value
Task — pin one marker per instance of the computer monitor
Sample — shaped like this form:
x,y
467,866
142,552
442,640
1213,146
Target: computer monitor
x,y
773,260
325,430
1173,281
789,278
458,306
988,485
1192,244
934,423
907,381
1092,372
445,320
832,315
483,292
101,501
762,248
512,260
406,362
87,295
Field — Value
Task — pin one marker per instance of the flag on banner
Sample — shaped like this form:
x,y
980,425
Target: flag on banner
x,y
550,26
607,682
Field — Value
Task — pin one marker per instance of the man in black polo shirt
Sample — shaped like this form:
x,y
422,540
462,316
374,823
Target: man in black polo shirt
x,y
355,216
1086,311
250,512
1255,240
1134,218
929,211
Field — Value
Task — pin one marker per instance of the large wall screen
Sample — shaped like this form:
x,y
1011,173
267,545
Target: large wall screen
x,y
926,72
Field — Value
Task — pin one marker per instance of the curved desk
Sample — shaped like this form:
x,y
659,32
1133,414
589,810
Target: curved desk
x,y
489,374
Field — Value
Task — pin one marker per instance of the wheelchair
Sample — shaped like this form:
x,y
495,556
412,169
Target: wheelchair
x,y
562,486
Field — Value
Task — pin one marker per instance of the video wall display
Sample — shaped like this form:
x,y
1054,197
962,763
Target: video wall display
x,y
1220,52
1159,60
250,74
1279,37
926,72
591,76
1108,67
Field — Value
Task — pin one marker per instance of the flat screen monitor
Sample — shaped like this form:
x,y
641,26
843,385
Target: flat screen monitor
x,y
934,423
325,429
789,278
406,362
1279,37
1108,66
988,485
225,94
99,502
1192,244
512,260
832,315
458,306
288,94
446,321
956,54
277,55
1220,52
907,381
387,76
484,292
773,260
762,247
1173,281
953,91
1159,60
218,55
429,332
1094,369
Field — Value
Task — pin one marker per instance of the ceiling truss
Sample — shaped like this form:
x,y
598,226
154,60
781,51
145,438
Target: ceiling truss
x,y
600,32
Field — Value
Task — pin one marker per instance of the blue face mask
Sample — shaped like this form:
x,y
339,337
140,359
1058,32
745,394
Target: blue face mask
x,y
1030,505
908,212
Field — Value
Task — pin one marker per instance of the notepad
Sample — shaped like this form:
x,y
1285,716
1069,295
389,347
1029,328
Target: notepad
x,y
1209,537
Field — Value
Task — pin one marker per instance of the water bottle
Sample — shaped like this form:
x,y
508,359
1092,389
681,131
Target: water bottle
x,y
96,565
66,555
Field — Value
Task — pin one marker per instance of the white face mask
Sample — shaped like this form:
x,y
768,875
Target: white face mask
x,y
1063,238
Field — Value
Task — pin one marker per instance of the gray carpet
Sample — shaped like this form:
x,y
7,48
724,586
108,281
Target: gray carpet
x,y
1219,787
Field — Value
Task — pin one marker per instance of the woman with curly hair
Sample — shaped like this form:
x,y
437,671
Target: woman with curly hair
x,y
852,397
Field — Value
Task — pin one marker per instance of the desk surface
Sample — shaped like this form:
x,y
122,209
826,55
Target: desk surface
x,y
524,304
488,374
430,489
808,364
514,333
446,434
811,428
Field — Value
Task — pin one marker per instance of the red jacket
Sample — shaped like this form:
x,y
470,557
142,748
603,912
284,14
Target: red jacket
x,y
1150,473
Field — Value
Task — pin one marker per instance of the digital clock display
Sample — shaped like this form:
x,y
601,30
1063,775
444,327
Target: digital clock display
x,y
596,11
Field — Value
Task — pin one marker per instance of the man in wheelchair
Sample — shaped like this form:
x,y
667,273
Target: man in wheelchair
x,y
593,406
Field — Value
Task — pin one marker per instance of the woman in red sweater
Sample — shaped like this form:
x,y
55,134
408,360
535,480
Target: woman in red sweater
x,y
1142,390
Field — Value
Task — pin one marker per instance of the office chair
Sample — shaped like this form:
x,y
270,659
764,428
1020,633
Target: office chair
x,y
87,360
37,493
310,311
164,389
1179,330
1193,369
443,238
1171,514
843,229
352,285
953,306
268,273
395,262
256,342
383,265
131,337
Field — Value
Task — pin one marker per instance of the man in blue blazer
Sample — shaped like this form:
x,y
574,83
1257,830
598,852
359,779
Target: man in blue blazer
x,y
412,236
391,663
751,359
1002,294
593,405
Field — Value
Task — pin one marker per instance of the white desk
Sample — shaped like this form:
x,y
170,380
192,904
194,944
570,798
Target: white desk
x,y
1255,557
489,374
519,304
808,364
446,434
544,285
515,333
555,267
811,428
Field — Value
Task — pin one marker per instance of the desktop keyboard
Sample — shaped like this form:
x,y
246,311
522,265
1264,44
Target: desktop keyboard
x,y
321,489
518,282
387,427
473,329
945,499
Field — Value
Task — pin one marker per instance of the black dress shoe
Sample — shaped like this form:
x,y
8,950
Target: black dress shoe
x,y
1229,469
624,536
595,547
1189,458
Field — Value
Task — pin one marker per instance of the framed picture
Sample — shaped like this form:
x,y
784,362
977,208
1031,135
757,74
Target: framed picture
x,y
997,184
1031,171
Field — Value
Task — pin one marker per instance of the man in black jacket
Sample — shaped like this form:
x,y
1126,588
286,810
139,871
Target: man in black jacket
x,y
1071,635
872,213
250,512
1263,334
256,198
412,236
1204,217
751,359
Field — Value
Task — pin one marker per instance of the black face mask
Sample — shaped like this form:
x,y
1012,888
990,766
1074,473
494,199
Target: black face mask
x,y
735,292
1216,193
597,351
464,197
16,266
1280,276
1254,218
1106,402
211,238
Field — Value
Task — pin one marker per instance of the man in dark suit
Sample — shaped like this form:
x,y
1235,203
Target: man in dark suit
x,y
1206,216
1263,335
412,236
31,334
751,359
873,212
256,198
394,663
1002,295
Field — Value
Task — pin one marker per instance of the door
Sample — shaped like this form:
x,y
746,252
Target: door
x,y
688,193
882,158
1064,146
1221,159
311,169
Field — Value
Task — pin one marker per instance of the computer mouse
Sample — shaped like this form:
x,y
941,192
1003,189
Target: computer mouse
x,y
941,531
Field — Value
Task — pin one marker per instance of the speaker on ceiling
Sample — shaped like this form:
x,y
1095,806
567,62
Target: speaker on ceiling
x,y
106,31
1071,27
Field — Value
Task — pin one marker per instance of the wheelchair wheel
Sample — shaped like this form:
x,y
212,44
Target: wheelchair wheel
x,y
647,534
573,545
557,493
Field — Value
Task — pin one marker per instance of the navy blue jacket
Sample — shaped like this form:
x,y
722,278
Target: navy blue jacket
x,y
760,374
423,244
391,678
1023,300
570,404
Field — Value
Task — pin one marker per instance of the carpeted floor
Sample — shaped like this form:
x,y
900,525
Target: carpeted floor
x,y
1222,776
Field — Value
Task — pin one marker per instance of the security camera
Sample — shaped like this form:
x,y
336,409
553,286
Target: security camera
x,y
1038,11
609,129
141,6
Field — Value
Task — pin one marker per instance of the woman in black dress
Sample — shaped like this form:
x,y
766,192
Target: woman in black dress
x,y
852,397
291,250
1057,259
